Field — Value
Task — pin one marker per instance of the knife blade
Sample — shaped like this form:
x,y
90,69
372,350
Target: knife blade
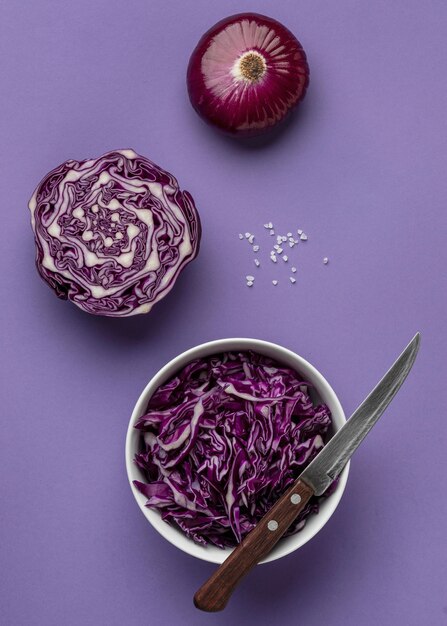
x,y
328,464
314,480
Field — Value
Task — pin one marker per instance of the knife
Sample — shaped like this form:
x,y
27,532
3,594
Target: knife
x,y
314,480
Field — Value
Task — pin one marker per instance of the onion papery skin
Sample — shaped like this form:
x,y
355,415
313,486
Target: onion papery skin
x,y
112,234
247,105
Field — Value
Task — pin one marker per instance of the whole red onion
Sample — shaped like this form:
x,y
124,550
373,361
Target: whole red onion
x,y
247,73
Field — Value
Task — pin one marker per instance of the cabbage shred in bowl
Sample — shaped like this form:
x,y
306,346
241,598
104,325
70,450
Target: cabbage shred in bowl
x,y
223,439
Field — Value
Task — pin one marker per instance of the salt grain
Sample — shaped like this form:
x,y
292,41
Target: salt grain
x,y
277,250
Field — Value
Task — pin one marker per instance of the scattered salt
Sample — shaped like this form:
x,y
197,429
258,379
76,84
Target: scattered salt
x,y
277,250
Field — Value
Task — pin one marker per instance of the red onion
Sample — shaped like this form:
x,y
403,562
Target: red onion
x,y
247,73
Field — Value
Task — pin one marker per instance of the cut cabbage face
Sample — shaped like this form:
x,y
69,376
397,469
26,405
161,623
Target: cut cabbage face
x,y
113,234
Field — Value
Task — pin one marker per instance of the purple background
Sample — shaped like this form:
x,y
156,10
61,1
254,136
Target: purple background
x,y
362,169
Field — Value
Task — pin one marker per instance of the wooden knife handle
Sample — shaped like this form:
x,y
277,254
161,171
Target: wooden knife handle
x,y
215,593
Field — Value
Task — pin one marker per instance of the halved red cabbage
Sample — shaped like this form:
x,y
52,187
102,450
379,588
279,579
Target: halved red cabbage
x,y
223,439
113,233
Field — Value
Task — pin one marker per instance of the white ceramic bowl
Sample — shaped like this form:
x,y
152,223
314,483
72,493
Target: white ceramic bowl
x,y
324,393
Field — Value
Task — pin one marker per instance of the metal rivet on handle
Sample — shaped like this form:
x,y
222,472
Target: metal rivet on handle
x,y
295,498
273,524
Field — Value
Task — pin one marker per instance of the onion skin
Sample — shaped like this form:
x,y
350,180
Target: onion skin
x,y
242,101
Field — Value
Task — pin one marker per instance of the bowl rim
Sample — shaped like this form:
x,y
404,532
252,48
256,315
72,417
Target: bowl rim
x,y
175,536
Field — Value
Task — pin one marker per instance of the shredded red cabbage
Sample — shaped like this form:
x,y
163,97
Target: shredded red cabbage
x,y
223,439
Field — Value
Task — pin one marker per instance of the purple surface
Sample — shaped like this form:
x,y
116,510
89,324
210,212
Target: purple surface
x,y
362,170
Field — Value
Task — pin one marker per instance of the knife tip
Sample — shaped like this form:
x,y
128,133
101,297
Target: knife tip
x,y
414,344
